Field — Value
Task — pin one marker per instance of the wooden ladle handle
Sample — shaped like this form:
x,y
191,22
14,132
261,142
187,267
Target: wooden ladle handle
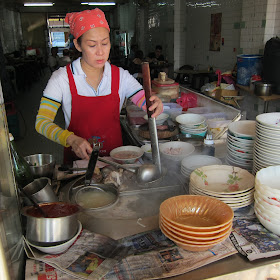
x,y
147,86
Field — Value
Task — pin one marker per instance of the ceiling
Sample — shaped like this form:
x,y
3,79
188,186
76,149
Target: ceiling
x,y
60,6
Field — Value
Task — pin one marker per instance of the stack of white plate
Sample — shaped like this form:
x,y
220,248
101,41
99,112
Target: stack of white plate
x,y
230,184
267,198
267,144
190,163
192,124
240,144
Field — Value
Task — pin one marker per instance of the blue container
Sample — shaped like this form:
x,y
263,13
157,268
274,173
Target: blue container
x,y
247,66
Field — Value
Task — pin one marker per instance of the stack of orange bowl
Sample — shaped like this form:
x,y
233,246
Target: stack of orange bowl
x,y
195,223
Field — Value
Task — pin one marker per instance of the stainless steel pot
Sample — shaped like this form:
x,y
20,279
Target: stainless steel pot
x,y
263,88
41,191
60,227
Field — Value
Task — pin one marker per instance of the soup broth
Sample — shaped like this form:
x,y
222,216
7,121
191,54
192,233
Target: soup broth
x,y
95,199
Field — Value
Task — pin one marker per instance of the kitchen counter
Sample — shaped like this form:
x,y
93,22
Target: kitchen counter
x,y
233,267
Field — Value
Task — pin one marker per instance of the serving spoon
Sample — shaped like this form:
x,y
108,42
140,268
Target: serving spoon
x,y
144,173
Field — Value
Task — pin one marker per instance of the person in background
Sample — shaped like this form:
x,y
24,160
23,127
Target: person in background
x,y
132,53
135,67
91,92
53,60
156,55
115,55
157,62
65,59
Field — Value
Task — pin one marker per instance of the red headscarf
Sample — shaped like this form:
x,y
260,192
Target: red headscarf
x,y
81,22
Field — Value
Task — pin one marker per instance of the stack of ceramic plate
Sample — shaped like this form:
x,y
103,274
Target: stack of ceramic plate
x,y
195,222
190,163
192,125
230,184
267,144
240,143
267,198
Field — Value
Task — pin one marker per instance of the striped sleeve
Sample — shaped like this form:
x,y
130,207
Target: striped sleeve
x,y
139,99
45,125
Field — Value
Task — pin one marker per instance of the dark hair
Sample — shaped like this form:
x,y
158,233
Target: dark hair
x,y
79,40
139,54
134,47
66,52
158,47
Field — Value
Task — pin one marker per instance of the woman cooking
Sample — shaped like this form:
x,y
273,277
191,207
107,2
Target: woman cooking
x,y
91,92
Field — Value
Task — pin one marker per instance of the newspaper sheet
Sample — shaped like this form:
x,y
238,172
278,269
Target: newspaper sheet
x,y
251,239
148,255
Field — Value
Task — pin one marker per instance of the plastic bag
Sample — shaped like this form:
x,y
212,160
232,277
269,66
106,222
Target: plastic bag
x,y
187,100
209,87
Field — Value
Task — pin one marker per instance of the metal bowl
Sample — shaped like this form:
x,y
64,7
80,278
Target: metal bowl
x,y
263,88
61,225
41,191
41,165
96,196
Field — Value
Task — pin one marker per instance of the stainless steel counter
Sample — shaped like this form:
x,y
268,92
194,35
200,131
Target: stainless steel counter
x,y
233,267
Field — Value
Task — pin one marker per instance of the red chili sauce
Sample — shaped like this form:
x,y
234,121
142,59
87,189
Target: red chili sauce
x,y
53,210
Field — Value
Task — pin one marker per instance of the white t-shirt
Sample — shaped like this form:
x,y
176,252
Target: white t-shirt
x,y
53,61
58,89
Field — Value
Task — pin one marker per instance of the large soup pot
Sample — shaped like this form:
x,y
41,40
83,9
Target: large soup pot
x,y
60,225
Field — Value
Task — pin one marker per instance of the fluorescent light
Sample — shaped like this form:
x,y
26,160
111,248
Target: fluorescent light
x,y
99,3
33,4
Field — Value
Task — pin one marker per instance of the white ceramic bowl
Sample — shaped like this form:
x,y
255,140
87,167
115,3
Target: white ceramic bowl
x,y
190,120
126,154
269,177
243,129
265,215
176,150
267,198
160,119
267,130
269,209
195,161
58,249
268,225
147,148
269,119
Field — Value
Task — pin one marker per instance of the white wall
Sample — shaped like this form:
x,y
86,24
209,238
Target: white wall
x,y
254,25
198,17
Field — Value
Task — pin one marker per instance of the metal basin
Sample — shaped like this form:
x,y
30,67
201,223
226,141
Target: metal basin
x,y
41,165
263,88
61,225
96,196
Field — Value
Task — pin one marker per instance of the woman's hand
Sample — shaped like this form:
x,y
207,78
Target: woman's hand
x,y
80,146
157,106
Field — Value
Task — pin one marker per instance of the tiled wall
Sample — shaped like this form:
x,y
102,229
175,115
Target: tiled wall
x,y
272,26
197,24
253,26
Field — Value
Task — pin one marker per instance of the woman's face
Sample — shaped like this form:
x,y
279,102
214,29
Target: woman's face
x,y
95,47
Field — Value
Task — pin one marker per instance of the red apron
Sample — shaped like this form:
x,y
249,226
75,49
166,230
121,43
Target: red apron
x,y
96,119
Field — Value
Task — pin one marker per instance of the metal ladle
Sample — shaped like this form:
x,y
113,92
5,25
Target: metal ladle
x,y
144,173
35,204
